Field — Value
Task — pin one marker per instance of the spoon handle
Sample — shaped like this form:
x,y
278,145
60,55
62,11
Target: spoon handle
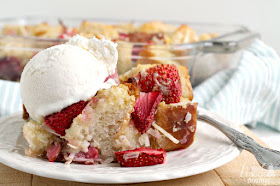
x,y
267,158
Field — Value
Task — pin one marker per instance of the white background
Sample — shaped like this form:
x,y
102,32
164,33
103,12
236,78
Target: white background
x,y
259,15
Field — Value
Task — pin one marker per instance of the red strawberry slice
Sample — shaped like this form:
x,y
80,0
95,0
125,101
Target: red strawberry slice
x,y
164,78
53,151
86,157
144,110
66,34
139,157
115,77
123,37
62,120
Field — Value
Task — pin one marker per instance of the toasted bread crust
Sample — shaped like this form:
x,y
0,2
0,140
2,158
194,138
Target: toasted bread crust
x,y
133,90
173,119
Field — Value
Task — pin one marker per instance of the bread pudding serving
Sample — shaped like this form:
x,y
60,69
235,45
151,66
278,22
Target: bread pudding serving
x,y
77,109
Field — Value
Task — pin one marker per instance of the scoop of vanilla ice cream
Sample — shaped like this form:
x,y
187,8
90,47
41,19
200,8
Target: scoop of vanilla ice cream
x,y
64,74
104,50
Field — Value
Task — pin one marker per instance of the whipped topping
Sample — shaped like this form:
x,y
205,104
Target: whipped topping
x,y
65,74
104,50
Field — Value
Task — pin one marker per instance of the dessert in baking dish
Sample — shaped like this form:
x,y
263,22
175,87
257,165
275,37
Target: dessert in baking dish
x,y
78,110
144,43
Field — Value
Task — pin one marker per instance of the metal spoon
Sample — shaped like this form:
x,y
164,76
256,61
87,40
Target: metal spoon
x,y
267,158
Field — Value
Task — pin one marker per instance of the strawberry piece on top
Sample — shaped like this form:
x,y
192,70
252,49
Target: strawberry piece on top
x,y
144,110
164,78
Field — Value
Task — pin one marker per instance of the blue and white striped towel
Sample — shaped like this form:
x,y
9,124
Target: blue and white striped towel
x,y
247,95
10,99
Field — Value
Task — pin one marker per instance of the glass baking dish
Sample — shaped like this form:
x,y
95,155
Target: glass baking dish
x,y
203,58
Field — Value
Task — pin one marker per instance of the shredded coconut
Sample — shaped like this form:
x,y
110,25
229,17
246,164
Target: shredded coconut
x,y
185,138
168,135
143,73
47,128
131,155
122,141
70,158
72,146
175,129
188,117
144,140
191,128
162,87
84,160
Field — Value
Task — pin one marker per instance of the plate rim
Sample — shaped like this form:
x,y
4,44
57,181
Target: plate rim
x,y
122,178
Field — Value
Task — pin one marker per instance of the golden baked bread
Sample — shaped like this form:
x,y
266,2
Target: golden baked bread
x,y
90,29
183,34
37,137
103,120
156,55
125,28
155,27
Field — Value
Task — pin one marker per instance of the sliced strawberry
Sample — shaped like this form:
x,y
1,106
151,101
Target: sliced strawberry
x,y
61,36
115,77
62,120
144,110
66,34
164,78
123,37
86,157
53,151
139,157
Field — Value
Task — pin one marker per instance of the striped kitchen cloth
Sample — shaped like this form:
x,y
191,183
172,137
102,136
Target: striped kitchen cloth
x,y
249,94
246,95
10,99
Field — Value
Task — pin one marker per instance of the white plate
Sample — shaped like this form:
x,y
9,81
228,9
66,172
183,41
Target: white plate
x,y
211,149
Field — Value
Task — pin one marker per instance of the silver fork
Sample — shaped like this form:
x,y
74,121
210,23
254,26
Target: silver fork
x,y
267,158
